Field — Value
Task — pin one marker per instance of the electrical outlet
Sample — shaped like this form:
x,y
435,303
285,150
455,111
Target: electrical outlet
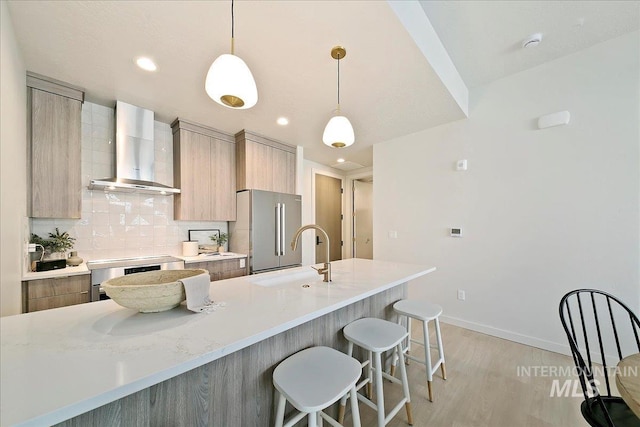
x,y
393,234
461,295
242,263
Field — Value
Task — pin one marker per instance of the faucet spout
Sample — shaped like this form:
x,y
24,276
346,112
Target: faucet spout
x,y
326,270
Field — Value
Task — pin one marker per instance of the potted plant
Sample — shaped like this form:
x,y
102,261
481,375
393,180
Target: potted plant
x,y
57,245
220,240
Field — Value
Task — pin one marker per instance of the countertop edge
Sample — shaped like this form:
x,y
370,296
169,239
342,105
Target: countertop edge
x,y
92,402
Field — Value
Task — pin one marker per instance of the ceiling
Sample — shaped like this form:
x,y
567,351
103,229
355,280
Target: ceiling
x,y
388,88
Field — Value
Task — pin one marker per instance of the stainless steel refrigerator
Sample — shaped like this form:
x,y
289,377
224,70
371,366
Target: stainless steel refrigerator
x,y
264,226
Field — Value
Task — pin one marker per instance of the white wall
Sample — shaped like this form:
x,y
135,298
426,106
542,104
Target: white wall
x,y
542,211
13,164
116,225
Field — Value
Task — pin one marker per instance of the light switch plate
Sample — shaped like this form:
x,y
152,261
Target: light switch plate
x,y
242,263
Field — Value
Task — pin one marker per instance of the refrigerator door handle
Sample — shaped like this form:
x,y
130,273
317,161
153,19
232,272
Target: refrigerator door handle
x,y
283,228
278,229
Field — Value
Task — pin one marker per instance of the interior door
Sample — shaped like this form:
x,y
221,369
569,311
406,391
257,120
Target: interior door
x,y
363,219
329,216
263,230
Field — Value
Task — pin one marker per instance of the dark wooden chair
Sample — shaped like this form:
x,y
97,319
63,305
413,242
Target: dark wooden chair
x,y
601,330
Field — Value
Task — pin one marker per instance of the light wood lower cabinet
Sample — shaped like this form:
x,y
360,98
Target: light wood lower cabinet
x,y
224,269
43,294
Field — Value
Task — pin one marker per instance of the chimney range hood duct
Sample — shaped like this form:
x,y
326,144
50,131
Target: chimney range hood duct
x,y
135,154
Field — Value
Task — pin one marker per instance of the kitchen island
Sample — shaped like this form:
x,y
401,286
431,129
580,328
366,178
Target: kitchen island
x,y
102,364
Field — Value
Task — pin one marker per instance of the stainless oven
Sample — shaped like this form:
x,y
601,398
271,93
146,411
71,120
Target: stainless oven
x,y
102,270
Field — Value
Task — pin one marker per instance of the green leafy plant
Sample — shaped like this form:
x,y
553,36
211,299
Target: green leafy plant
x,y
221,239
57,242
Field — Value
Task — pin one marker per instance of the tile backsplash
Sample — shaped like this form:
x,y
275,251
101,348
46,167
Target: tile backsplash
x,y
116,225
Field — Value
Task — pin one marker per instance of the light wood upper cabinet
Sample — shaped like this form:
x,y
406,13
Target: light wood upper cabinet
x,y
54,140
204,170
264,164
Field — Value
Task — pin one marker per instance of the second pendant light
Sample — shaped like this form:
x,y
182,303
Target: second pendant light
x,y
338,133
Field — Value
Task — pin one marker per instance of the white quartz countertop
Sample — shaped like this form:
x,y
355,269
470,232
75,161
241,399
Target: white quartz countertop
x,y
56,364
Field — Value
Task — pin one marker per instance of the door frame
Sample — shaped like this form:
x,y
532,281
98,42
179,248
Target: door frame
x,y
357,174
314,172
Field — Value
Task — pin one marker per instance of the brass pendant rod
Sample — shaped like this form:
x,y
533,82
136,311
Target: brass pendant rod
x,y
233,24
338,83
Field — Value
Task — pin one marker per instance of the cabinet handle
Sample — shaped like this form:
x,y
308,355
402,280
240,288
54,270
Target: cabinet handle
x,y
84,292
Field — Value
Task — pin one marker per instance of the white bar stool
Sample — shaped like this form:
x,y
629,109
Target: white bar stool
x,y
377,336
312,380
423,311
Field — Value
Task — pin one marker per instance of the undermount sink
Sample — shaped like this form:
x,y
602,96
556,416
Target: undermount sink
x,y
301,277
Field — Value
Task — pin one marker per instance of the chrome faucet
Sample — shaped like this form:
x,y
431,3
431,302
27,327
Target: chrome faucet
x,y
326,270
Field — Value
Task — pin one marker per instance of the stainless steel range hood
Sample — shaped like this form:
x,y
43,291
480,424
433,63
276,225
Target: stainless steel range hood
x,y
135,154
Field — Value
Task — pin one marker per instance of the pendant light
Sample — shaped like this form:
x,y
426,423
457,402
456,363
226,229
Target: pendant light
x,y
338,133
229,81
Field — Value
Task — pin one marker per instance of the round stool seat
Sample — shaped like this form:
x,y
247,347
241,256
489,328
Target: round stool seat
x,y
315,378
374,334
420,310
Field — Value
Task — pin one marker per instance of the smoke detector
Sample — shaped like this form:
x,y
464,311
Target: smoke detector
x,y
532,40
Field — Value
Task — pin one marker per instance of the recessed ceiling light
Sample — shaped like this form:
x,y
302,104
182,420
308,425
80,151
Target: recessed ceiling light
x,y
282,121
340,160
532,40
146,64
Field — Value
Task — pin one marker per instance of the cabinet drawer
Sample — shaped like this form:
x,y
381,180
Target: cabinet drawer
x,y
223,269
38,304
58,286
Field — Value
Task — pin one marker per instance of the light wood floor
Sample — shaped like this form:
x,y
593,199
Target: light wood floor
x,y
483,387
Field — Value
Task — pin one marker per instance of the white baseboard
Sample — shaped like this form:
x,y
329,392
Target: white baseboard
x,y
522,339
508,335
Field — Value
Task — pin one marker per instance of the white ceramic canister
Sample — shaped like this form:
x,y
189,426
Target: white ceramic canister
x,y
190,248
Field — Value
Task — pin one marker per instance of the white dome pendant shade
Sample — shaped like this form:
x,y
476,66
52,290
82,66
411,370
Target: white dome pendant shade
x,y
338,133
230,83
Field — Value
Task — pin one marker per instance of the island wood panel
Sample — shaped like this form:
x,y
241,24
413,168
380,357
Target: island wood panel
x,y
54,155
236,390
